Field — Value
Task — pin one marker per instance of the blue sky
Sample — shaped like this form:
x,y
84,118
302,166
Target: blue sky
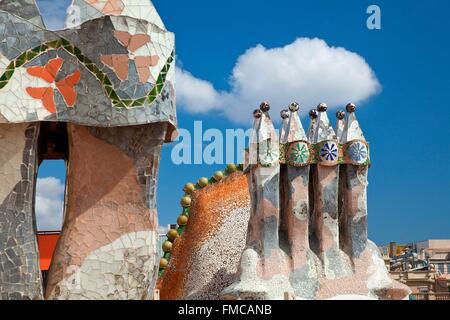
x,y
406,120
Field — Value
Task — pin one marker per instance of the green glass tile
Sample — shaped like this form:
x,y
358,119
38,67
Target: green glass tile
x,y
35,49
3,84
70,49
31,55
44,48
96,69
100,77
108,89
99,74
79,56
127,102
77,51
113,95
90,66
20,62
51,44
23,56
140,101
154,92
10,67
87,60
181,230
8,74
54,43
4,78
64,42
107,82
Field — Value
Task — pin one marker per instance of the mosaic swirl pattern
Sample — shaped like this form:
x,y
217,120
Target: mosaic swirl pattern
x,y
114,68
110,76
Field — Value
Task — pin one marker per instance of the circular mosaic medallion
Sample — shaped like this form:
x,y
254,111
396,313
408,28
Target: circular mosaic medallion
x,y
329,153
298,154
357,152
269,153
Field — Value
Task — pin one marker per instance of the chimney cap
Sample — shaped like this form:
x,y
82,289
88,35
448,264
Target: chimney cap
x,y
257,114
340,114
284,114
351,107
294,107
265,106
313,114
322,107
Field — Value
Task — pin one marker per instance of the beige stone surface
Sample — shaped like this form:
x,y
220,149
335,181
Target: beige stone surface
x,y
119,270
20,276
11,153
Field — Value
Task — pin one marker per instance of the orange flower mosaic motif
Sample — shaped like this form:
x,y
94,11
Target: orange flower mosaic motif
x,y
119,62
46,94
108,7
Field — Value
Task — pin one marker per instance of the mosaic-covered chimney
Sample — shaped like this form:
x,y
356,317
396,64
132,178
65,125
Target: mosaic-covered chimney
x,y
307,231
100,95
353,193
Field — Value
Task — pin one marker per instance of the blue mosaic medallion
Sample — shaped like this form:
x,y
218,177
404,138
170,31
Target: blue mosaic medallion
x,y
329,152
357,152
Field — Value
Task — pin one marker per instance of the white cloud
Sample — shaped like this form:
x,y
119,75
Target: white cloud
x,y
49,203
194,94
307,70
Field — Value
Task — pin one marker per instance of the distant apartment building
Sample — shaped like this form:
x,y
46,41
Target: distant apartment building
x,y
424,266
437,252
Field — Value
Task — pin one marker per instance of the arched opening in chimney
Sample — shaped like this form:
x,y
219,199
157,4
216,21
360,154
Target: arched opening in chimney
x,y
50,189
